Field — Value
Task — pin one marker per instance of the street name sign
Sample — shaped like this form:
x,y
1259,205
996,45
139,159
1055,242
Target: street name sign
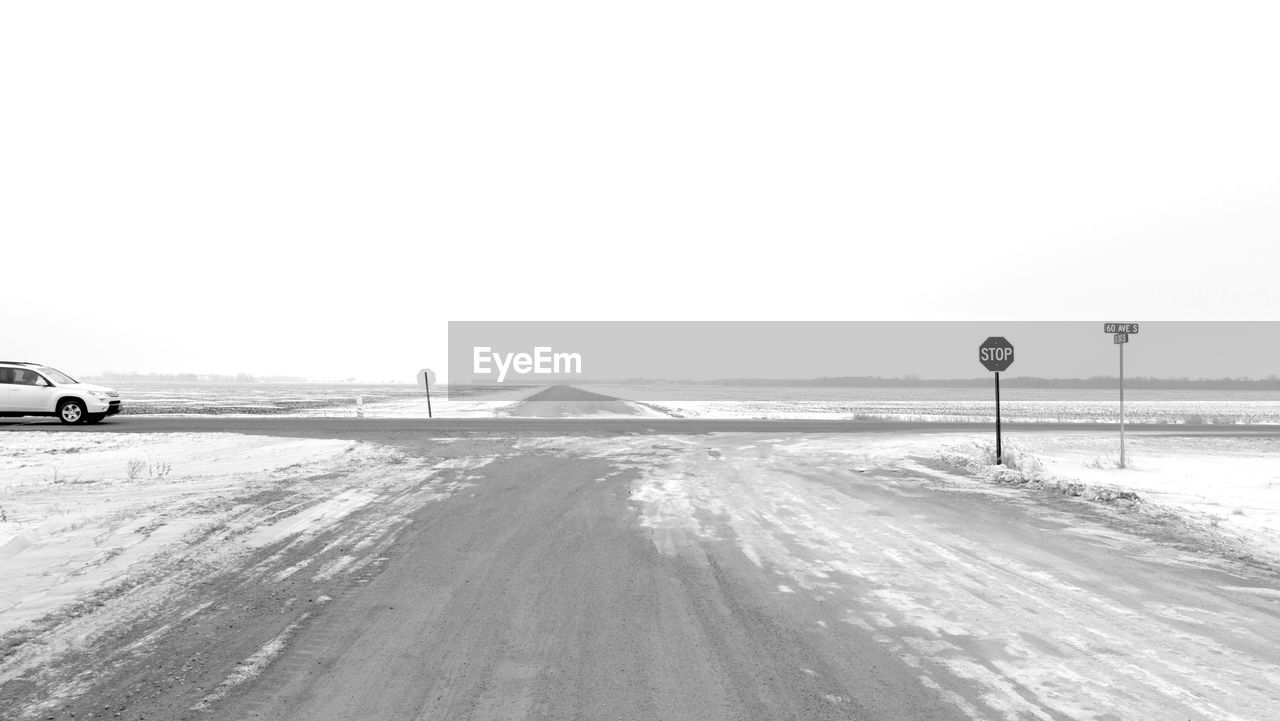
x,y
1127,328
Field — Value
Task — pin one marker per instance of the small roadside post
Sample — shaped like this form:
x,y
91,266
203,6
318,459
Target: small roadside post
x,y
996,354
425,376
1119,333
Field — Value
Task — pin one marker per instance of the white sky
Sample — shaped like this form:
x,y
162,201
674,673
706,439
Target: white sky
x,y
317,188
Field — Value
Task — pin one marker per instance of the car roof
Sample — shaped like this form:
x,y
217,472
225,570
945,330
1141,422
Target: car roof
x,y
20,363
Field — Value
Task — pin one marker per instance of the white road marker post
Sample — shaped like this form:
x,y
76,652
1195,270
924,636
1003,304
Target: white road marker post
x,y
1120,336
996,354
359,406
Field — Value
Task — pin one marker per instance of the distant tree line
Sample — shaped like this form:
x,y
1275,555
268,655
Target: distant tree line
x,y
194,377
1271,382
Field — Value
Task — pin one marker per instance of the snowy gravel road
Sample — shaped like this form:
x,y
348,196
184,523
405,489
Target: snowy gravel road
x,y
710,576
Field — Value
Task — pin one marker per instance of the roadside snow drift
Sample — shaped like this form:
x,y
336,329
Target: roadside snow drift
x,y
98,531
1230,486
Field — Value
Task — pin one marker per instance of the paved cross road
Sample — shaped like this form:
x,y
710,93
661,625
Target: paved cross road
x,y
541,425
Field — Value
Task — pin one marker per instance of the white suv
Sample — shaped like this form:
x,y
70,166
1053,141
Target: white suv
x,y
31,389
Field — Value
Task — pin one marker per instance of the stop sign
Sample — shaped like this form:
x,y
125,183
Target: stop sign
x,y
995,354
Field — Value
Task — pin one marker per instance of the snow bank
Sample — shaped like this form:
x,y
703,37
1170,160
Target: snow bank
x,y
79,510
1231,485
98,531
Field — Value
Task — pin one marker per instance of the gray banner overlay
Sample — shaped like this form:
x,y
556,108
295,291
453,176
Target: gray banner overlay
x,y
676,352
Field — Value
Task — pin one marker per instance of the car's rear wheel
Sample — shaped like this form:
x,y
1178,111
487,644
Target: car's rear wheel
x,y
92,418
71,411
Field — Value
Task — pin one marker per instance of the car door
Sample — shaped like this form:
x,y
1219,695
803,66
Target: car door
x,y
8,392
29,392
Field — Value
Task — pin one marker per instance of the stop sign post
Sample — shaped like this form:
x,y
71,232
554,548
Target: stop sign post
x,y
425,376
996,354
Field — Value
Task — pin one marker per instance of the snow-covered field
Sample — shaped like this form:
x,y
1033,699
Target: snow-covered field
x,y
1166,412
956,404
181,398
314,399
492,404
965,404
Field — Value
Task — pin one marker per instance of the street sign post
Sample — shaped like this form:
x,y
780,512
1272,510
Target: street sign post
x,y
996,354
425,376
1120,333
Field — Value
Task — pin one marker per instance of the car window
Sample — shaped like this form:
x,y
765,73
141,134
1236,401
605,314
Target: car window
x,y
56,375
6,375
28,377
